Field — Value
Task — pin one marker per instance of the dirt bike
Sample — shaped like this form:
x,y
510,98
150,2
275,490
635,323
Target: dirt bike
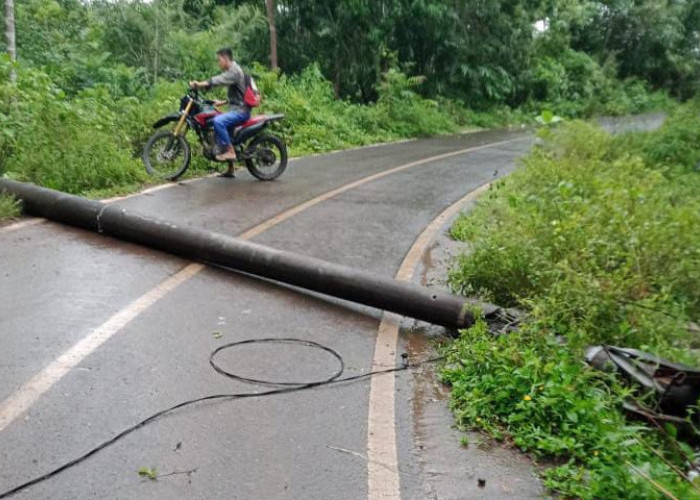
x,y
167,153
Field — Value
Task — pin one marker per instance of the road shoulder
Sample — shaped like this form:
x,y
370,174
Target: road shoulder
x,y
438,460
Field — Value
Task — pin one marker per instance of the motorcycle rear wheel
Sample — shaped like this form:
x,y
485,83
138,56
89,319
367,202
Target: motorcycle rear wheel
x,y
166,155
266,157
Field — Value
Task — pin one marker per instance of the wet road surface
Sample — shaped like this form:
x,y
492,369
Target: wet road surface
x,y
57,285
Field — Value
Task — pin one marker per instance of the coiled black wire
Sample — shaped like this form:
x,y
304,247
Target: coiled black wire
x,y
292,341
280,388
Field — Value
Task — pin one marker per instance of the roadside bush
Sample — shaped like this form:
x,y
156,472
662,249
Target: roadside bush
x,y
573,84
675,145
537,394
9,207
596,238
570,76
66,144
316,121
405,113
498,116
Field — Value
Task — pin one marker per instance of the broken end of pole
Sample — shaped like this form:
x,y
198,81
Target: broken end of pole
x,y
466,316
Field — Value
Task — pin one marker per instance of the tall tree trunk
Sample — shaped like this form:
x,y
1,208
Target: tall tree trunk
x,y
270,6
10,34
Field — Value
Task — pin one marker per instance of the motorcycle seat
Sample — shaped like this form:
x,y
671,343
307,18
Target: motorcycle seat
x,y
253,120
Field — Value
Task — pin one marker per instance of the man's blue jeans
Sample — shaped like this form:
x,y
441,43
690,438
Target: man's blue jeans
x,y
224,121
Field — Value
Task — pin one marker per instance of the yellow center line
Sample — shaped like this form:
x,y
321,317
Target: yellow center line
x,y
28,394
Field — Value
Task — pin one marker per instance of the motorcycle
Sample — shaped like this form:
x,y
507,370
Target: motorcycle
x,y
167,153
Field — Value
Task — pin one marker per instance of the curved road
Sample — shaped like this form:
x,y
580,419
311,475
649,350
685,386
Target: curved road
x,y
97,334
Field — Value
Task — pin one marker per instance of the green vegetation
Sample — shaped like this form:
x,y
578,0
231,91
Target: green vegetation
x,y
9,207
316,121
75,145
90,143
500,52
149,473
92,76
597,238
503,52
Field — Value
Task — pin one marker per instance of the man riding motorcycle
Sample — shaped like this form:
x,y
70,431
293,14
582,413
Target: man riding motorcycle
x,y
232,77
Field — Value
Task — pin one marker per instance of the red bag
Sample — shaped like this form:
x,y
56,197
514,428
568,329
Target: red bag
x,y
252,95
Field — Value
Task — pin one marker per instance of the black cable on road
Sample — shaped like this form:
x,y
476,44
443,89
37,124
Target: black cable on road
x,y
281,388
306,343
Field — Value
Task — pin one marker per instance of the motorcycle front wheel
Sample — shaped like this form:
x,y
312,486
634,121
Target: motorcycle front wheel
x,y
166,155
266,157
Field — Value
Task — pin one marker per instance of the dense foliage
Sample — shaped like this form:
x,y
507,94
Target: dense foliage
x,y
93,75
90,143
484,53
605,225
596,237
487,52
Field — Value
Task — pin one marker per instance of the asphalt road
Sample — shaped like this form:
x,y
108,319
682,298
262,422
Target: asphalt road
x,y
60,285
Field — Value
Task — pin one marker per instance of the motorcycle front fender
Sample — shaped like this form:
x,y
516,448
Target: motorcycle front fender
x,y
167,119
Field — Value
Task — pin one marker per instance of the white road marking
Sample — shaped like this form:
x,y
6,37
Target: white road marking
x,y
270,223
22,399
382,458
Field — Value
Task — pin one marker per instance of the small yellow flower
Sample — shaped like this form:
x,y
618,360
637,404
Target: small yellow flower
x,y
595,453
527,397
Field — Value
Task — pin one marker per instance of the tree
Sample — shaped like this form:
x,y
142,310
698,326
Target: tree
x,y
10,33
270,6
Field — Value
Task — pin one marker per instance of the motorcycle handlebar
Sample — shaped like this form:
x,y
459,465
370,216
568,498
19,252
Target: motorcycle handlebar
x,y
193,92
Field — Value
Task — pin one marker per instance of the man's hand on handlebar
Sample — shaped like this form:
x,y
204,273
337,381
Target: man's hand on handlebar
x,y
195,85
219,102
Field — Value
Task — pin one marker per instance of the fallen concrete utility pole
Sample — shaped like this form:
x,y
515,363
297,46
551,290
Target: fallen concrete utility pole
x,y
313,274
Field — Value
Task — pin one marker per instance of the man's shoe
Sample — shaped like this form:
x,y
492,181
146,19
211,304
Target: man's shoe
x,y
227,156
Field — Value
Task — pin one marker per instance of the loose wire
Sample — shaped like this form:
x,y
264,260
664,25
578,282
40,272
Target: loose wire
x,y
280,388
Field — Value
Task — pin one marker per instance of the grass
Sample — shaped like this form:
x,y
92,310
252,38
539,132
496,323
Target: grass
x,y
9,207
597,238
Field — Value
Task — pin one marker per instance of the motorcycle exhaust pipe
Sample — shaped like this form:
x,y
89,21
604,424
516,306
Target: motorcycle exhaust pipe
x,y
335,280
